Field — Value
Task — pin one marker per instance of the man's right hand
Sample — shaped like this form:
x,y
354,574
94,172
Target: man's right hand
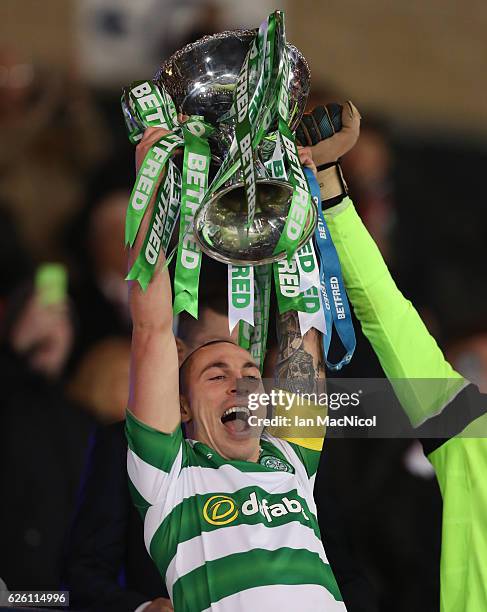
x,y
150,137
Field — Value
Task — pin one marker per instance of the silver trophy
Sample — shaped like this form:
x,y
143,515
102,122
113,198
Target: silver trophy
x,y
201,78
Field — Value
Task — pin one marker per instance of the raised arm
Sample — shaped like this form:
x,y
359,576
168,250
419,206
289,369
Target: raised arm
x,y
154,383
456,411
300,359
398,336
300,369
407,352
299,364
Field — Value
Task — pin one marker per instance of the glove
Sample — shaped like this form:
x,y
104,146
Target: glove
x,y
322,122
330,131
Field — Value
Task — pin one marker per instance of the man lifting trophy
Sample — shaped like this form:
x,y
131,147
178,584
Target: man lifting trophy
x,y
229,515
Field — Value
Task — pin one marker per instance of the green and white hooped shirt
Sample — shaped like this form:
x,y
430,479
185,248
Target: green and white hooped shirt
x,y
231,535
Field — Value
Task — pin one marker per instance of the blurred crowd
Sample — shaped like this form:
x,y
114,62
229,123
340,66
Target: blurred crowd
x,y
65,176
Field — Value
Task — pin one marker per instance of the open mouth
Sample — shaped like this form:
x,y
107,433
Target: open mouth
x,y
235,419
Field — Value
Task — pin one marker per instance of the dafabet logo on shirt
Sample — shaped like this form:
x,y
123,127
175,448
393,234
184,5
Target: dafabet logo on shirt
x,y
222,509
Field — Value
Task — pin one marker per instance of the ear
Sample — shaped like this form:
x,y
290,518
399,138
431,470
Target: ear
x,y
182,349
186,414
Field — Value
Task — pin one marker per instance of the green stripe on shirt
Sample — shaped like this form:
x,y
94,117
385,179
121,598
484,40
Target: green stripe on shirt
x,y
234,573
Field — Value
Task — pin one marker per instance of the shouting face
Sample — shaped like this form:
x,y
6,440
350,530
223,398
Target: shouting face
x,y
216,381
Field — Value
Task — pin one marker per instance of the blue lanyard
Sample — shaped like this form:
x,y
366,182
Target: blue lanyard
x,y
335,302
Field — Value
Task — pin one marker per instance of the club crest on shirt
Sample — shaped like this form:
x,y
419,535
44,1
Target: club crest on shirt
x,y
274,463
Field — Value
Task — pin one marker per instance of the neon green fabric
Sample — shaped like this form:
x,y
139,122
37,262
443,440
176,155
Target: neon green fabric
x,y
461,469
406,350
400,339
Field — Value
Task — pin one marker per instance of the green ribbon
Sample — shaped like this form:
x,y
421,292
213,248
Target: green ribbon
x,y
260,96
174,204
286,281
240,295
152,105
258,338
254,338
244,330
243,131
146,181
269,98
265,104
301,198
255,96
145,264
195,183
168,106
290,297
144,104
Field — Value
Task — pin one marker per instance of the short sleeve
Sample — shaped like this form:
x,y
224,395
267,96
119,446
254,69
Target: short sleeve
x,y
309,457
154,460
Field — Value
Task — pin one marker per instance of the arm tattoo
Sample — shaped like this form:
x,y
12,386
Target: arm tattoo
x,y
300,362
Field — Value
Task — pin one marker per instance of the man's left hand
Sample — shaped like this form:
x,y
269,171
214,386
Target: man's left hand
x,y
318,132
306,158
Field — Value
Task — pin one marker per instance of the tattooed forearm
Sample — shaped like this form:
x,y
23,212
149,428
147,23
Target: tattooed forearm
x,y
300,363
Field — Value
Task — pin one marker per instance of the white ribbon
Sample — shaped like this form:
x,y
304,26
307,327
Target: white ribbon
x,y
309,273
316,317
240,295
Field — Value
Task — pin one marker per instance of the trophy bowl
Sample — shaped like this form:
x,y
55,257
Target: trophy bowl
x,y
221,225
201,79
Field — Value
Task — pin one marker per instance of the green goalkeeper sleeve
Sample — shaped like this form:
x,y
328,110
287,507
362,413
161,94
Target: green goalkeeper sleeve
x,y
409,355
